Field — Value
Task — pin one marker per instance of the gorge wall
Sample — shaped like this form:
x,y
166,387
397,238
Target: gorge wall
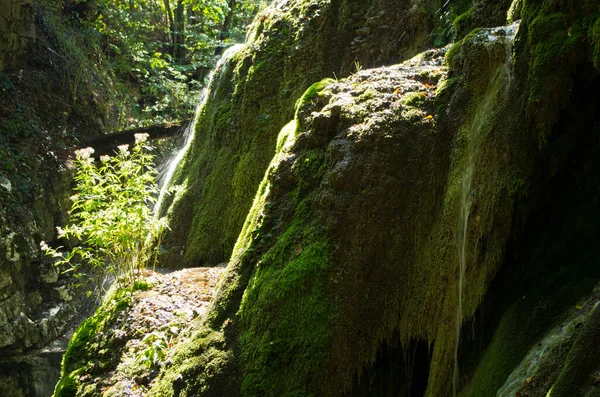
x,y
40,124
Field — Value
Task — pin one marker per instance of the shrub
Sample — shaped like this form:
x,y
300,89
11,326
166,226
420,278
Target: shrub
x,y
113,228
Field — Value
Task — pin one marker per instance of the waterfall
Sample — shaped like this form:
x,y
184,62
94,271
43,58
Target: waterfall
x,y
189,132
499,83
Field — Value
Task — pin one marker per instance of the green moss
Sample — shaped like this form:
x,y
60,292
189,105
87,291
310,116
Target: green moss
x,y
91,350
559,42
457,54
205,363
524,323
312,91
286,315
463,23
67,385
412,98
555,46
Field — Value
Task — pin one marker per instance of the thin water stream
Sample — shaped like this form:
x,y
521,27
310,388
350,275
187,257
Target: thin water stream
x,y
498,85
189,132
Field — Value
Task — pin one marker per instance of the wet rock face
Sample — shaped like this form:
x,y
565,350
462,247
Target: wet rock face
x,y
17,31
37,303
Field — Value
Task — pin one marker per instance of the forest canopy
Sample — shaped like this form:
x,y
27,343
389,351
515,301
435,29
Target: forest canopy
x,y
161,49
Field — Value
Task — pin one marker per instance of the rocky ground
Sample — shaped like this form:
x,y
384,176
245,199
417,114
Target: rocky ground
x,y
148,329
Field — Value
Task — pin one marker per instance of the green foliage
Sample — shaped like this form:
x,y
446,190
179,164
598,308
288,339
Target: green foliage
x,y
154,353
156,344
111,215
447,21
167,48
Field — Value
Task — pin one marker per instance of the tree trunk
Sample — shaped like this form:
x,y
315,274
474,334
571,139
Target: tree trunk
x,y
107,144
191,17
171,25
179,49
228,19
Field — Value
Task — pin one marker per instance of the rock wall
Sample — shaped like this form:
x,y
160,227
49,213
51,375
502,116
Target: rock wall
x,y
40,125
17,31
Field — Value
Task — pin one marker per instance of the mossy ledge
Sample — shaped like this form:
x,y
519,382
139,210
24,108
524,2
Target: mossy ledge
x,y
93,347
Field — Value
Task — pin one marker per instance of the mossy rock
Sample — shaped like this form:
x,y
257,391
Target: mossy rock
x,y
93,348
288,49
287,293
351,236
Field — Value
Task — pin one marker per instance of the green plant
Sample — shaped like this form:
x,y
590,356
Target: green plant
x,y
154,353
357,66
157,344
113,227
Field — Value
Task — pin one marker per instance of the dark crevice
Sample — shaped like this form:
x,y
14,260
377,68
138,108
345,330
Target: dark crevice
x,y
397,372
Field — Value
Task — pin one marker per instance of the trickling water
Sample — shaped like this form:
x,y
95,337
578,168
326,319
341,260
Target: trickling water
x,y
499,83
189,133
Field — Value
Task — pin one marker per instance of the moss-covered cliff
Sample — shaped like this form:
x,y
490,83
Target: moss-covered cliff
x,y
291,45
415,228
